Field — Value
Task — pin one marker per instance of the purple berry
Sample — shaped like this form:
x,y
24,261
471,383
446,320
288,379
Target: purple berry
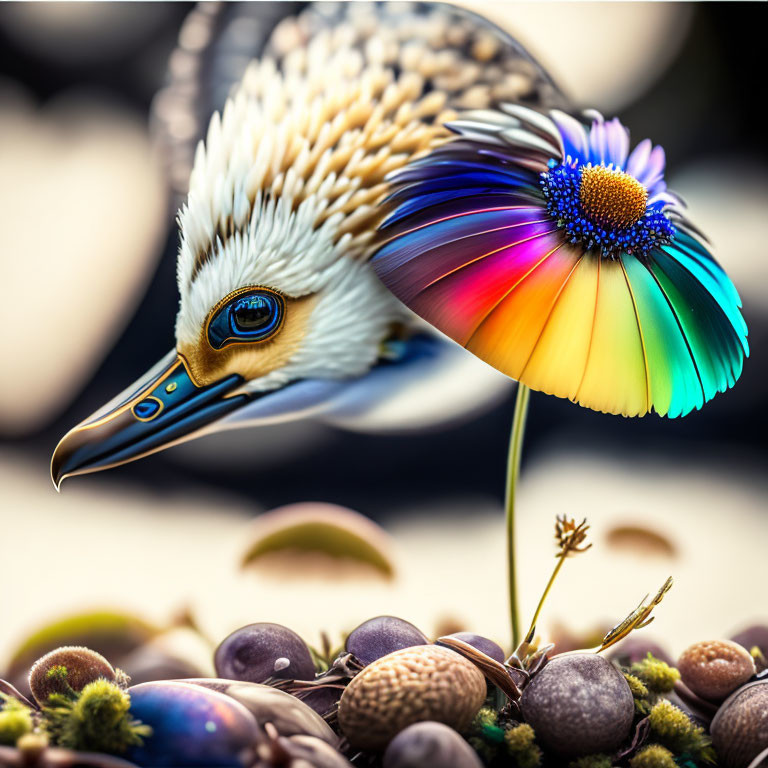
x,y
382,635
754,636
579,705
430,744
483,644
191,726
260,651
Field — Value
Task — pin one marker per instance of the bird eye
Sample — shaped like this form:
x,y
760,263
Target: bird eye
x,y
255,315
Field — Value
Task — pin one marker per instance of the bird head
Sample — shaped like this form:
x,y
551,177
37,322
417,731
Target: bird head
x,y
277,298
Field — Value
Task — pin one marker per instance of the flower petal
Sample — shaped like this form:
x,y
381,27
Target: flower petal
x,y
575,140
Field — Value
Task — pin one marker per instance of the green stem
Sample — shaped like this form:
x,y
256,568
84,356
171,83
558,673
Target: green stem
x,y
534,620
513,471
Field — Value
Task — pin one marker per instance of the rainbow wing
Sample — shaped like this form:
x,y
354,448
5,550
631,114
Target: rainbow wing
x,y
469,247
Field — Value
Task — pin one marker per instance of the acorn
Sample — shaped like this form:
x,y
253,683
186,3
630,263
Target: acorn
x,y
70,667
740,728
713,669
578,705
430,744
424,682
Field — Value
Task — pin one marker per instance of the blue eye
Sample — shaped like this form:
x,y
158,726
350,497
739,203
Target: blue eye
x,y
251,316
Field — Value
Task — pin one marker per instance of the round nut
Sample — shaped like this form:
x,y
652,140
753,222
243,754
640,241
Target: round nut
x,y
424,682
740,727
83,666
430,744
714,668
579,705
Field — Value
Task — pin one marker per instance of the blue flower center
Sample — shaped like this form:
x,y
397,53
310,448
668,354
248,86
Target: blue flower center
x,y
604,209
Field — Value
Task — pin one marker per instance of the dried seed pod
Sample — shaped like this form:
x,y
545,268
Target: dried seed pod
x,y
579,705
79,666
483,644
714,668
740,727
425,682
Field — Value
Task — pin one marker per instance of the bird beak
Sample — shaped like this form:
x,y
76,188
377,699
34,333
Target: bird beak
x,y
163,408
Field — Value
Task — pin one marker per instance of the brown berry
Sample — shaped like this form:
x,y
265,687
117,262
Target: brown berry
x,y
82,666
740,727
424,682
578,705
714,668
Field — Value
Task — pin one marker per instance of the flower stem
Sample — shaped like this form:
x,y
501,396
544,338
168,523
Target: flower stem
x,y
560,560
513,471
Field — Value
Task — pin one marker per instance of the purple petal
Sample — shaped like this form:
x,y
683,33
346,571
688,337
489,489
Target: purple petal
x,y
618,143
639,158
653,172
575,141
598,143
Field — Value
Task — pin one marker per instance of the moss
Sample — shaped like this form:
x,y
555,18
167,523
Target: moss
x,y
653,756
636,685
520,741
485,717
15,721
592,761
674,729
657,675
97,720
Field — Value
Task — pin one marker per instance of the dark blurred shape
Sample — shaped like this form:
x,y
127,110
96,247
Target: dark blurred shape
x,y
215,44
754,636
640,541
323,529
636,648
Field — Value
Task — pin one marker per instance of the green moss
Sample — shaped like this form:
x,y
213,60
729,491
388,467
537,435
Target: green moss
x,y
520,741
657,675
653,756
592,761
636,685
97,720
674,729
15,721
485,717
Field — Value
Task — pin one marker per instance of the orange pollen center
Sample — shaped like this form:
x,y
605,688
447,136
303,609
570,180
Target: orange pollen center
x,y
611,197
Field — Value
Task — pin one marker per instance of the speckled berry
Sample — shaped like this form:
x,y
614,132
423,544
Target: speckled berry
x,y
426,682
714,668
259,651
740,727
430,744
82,666
483,644
579,705
382,635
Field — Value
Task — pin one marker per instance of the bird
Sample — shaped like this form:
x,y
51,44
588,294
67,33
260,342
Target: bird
x,y
279,309
381,165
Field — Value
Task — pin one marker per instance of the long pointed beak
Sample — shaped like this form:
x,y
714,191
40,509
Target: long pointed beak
x,y
163,408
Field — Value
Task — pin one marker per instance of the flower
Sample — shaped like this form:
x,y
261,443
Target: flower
x,y
546,248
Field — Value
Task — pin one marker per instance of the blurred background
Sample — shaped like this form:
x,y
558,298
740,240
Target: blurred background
x,y
91,165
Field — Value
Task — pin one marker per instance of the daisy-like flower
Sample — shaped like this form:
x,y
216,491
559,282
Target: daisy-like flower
x,y
547,249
